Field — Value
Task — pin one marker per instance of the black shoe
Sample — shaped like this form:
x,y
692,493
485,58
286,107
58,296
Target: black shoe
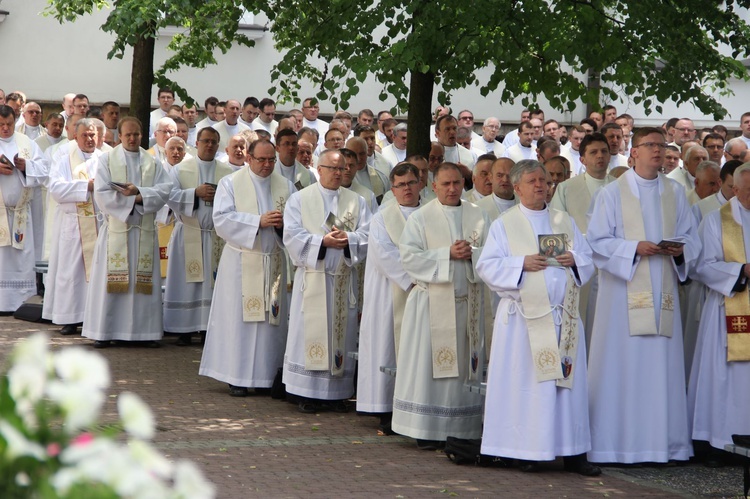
x,y
184,340
151,344
580,464
262,391
529,466
237,391
430,444
101,344
338,406
307,407
68,329
715,459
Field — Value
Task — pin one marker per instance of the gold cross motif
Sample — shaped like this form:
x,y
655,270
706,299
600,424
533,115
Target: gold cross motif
x,y
668,302
281,204
145,261
474,239
739,323
349,220
117,259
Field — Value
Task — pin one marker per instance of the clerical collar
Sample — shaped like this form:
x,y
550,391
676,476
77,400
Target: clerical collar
x,y
594,179
258,177
408,210
3,139
721,198
54,140
205,163
278,162
523,146
500,200
132,154
534,213
645,182
742,208
326,190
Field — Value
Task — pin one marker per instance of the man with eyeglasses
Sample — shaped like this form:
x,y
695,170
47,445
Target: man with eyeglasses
x,y
31,124
714,144
325,232
735,148
486,142
683,131
165,129
247,326
442,345
685,176
386,285
310,111
193,257
230,126
466,118
265,119
637,320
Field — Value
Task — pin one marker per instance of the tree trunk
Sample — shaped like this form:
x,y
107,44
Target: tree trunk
x,y
141,81
418,137
594,83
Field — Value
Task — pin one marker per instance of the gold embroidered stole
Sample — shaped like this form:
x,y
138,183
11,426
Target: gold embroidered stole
x,y
552,360
86,214
394,225
641,313
442,296
737,306
260,272
20,211
118,271
188,176
314,297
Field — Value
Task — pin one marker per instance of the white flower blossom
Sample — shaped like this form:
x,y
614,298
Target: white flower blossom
x,y
136,416
80,366
189,482
18,444
32,350
80,403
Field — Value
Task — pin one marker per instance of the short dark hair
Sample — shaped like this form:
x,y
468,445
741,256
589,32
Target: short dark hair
x,y
714,136
592,137
265,102
211,101
348,153
610,126
207,129
286,132
127,119
441,119
307,129
643,132
359,129
608,107
402,169
671,122
729,168
6,111
250,101
77,97
94,112
254,144
108,104
179,121
366,112
165,90
590,122
486,157
54,116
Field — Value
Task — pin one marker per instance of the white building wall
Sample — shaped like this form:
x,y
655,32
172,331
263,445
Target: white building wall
x,y
46,60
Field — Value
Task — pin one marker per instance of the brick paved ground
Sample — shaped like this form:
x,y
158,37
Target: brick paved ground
x,y
259,447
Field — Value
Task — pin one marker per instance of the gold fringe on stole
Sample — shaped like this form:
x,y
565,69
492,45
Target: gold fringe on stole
x,y
737,306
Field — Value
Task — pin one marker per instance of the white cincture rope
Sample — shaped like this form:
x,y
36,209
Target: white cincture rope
x,y
557,310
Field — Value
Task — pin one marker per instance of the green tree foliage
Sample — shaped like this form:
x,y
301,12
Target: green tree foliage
x,y
650,50
205,27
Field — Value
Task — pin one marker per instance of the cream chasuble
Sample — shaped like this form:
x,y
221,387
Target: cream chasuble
x,y
188,177
14,238
261,272
317,355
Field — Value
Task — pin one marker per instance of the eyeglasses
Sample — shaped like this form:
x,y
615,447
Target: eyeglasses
x,y
334,169
170,132
492,127
653,145
436,158
401,185
470,118
268,161
311,107
685,130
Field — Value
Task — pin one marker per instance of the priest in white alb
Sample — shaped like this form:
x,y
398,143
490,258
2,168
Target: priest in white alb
x,y
442,332
124,299
637,394
325,233
247,327
386,286
286,163
22,167
537,405
74,231
719,388
194,247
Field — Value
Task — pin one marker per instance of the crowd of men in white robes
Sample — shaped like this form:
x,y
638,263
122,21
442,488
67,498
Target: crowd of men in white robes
x,y
576,292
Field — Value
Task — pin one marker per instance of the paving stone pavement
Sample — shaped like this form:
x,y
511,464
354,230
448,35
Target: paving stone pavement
x,y
259,447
